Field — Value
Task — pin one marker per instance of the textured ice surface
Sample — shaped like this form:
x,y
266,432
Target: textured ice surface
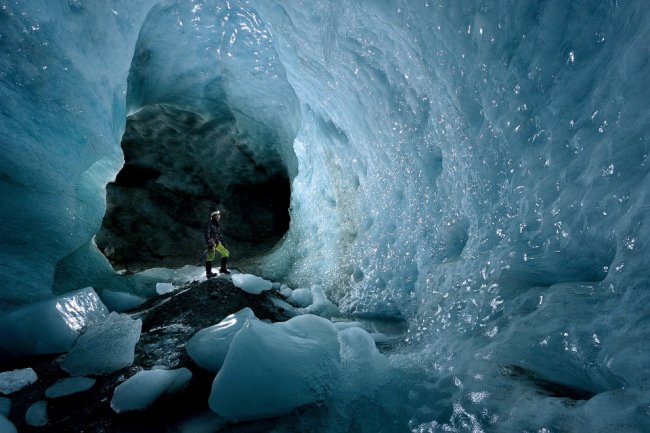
x,y
145,387
272,369
478,169
36,414
104,347
15,380
321,305
68,386
164,288
50,326
251,283
208,347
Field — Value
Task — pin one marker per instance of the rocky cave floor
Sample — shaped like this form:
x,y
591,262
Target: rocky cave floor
x,y
168,322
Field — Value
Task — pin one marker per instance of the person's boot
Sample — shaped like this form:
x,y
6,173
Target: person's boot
x,y
208,270
223,269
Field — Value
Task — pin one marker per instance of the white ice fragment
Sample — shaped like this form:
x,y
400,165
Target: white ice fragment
x,y
12,381
7,426
164,288
145,387
37,414
301,297
251,283
121,301
69,386
208,347
272,369
50,326
105,347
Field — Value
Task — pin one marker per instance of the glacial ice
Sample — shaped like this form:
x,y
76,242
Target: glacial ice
x,y
145,387
36,414
50,326
301,297
208,347
251,283
7,426
271,369
105,347
121,301
5,406
477,170
69,386
15,380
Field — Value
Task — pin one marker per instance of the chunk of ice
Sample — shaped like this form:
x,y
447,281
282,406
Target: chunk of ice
x,y
37,414
105,347
164,288
5,407
121,301
272,369
12,381
50,326
145,387
69,386
251,283
7,426
209,346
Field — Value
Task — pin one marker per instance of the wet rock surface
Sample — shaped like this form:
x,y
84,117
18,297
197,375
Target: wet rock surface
x,y
168,322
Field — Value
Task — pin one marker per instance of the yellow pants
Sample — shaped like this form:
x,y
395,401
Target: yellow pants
x,y
222,250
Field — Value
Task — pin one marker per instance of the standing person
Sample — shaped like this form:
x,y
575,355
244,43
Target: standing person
x,y
214,239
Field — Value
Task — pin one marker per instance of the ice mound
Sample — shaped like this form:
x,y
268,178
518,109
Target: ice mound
x,y
272,369
7,426
12,381
121,301
301,297
50,326
145,387
69,386
105,347
251,283
37,414
208,347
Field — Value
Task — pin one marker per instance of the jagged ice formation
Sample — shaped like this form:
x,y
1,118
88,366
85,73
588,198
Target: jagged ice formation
x,y
479,169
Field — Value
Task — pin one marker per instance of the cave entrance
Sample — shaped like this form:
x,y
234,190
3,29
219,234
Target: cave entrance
x,y
180,166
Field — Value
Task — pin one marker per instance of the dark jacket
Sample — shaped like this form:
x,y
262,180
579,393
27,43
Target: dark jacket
x,y
213,234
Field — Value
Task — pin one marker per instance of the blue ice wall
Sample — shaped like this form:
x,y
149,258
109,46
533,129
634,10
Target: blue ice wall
x,y
477,168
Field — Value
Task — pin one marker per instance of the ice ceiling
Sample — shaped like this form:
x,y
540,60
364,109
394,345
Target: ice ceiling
x,y
479,169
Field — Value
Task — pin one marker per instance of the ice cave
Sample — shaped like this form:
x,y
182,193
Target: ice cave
x,y
436,210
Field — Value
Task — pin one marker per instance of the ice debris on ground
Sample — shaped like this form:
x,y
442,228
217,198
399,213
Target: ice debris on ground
x,y
121,301
294,363
105,347
15,380
251,283
145,387
164,288
208,347
51,326
37,414
7,426
69,386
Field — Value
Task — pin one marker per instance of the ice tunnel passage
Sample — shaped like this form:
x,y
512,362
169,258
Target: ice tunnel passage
x,y
178,168
478,168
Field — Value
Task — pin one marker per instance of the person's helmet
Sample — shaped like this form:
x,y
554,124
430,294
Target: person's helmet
x,y
216,212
